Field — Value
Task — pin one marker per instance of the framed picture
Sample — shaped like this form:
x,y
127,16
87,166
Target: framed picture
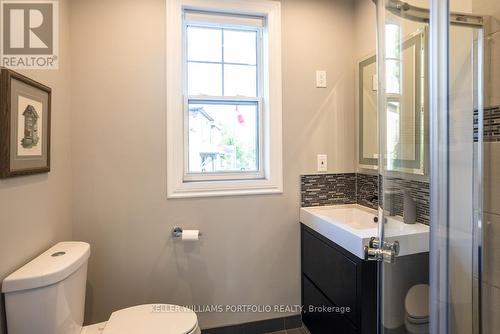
x,y
24,125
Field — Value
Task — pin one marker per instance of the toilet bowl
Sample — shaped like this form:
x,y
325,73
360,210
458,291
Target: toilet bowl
x,y
47,296
146,319
417,309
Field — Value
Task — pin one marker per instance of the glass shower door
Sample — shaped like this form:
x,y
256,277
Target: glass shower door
x,y
429,103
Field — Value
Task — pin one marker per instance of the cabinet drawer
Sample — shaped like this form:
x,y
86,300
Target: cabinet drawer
x,y
331,271
322,322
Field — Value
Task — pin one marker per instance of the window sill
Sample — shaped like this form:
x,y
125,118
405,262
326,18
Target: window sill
x,y
224,188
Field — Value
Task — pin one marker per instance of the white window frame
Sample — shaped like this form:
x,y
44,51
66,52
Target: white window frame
x,y
258,101
269,178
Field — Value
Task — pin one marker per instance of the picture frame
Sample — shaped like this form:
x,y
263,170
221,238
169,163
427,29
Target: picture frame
x,y
25,125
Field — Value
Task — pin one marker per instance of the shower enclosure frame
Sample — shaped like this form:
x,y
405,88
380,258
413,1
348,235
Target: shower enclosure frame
x,y
440,18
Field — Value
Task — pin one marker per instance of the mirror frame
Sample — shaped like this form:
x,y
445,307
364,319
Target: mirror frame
x,y
419,165
365,163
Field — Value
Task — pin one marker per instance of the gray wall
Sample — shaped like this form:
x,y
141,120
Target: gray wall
x,y
36,210
249,252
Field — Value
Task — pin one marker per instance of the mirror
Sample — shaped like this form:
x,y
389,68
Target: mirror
x,y
407,115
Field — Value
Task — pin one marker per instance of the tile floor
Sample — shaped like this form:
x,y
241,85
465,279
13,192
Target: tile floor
x,y
301,330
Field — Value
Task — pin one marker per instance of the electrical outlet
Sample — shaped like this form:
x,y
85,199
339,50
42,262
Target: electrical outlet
x,y
320,79
322,163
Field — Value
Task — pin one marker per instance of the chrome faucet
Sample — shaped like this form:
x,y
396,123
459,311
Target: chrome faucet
x,y
373,199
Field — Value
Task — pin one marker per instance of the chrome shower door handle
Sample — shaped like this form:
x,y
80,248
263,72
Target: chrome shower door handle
x,y
387,253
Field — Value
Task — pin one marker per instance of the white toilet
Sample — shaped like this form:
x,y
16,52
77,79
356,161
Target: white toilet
x,y
417,309
47,296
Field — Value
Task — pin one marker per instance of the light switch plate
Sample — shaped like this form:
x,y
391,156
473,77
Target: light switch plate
x,y
322,163
320,79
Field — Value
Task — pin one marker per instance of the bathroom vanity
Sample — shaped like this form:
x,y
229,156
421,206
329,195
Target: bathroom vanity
x,y
339,287
335,278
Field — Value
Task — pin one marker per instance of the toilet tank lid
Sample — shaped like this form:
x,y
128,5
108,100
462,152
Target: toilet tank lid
x,y
53,266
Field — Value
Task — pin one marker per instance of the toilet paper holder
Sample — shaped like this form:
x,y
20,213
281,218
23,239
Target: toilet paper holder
x,y
177,232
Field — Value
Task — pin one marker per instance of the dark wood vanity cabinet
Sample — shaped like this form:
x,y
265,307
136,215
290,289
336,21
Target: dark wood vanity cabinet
x,y
339,290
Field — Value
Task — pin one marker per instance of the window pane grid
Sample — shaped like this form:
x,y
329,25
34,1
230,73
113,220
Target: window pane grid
x,y
220,63
223,108
248,74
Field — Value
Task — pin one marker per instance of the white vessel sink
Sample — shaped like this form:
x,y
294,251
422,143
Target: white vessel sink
x,y
352,226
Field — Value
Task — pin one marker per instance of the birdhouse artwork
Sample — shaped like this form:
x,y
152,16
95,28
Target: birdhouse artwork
x,y
31,137
24,125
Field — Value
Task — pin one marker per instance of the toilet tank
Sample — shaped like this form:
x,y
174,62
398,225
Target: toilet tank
x,y
47,295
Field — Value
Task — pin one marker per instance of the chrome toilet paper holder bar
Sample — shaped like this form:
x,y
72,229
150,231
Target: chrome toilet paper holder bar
x,y
177,232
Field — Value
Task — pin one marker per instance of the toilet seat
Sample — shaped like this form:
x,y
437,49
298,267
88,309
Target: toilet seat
x,y
153,319
416,328
417,304
418,321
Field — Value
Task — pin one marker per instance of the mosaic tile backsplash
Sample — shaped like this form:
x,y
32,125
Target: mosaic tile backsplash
x,y
367,190
491,124
419,191
328,189
362,189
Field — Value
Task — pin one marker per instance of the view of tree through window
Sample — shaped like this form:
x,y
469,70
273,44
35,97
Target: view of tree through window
x,y
222,137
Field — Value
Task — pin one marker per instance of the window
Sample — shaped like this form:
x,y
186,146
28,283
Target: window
x,y
223,98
